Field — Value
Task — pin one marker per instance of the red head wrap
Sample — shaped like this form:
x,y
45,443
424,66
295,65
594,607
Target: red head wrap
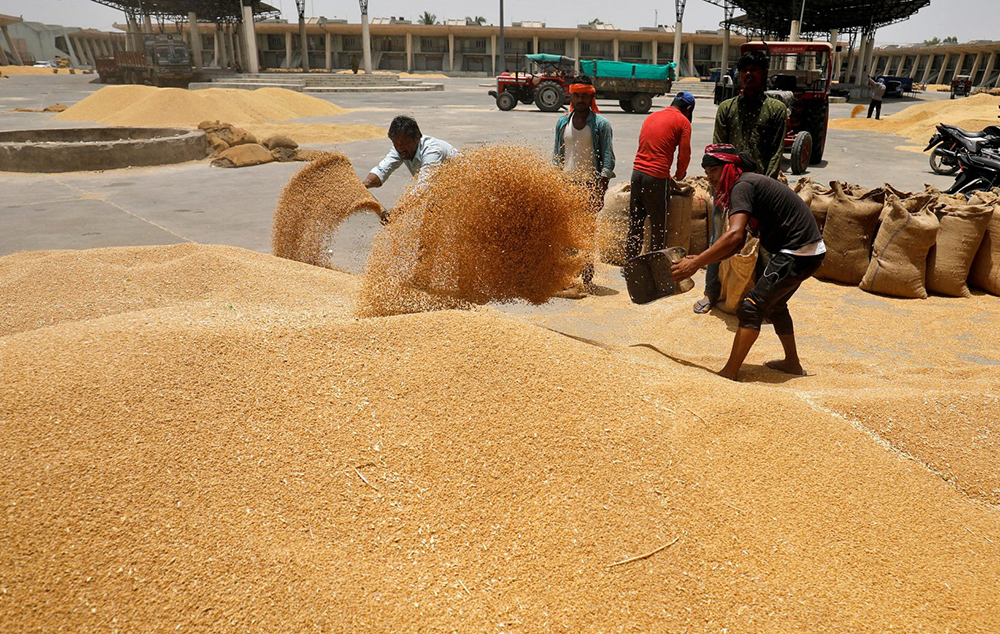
x,y
733,165
584,89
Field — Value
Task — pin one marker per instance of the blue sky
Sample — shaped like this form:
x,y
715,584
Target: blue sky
x,y
966,19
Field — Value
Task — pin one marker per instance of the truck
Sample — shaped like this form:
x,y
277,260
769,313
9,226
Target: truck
x,y
163,61
546,83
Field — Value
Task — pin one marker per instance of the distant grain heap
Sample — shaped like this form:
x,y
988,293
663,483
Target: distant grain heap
x,y
145,106
496,224
917,123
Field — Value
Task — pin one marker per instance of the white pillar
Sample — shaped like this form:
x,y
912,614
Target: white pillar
x,y
691,59
916,63
724,66
329,51
534,45
89,43
576,54
195,40
838,57
927,69
958,65
900,65
106,46
614,43
74,54
288,49
366,43
677,46
409,52
223,49
3,58
656,51
216,43
451,52
944,67
975,66
250,47
989,68
493,54
793,36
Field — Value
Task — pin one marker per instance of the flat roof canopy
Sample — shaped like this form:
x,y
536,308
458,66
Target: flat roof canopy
x,y
821,16
177,10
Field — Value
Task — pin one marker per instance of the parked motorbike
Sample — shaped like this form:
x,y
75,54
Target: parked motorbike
x,y
950,141
978,172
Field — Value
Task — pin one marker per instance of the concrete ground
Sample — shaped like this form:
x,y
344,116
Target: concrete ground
x,y
195,202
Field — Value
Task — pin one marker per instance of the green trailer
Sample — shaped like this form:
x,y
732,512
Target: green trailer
x,y
633,85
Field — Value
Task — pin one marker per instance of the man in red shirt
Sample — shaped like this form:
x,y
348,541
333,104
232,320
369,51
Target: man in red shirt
x,y
662,134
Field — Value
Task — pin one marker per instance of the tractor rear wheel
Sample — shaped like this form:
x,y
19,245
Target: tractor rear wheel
x,y
506,101
819,146
641,102
626,105
802,148
549,96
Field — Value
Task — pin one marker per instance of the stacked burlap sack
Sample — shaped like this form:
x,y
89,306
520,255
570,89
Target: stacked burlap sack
x,y
906,244
232,146
687,220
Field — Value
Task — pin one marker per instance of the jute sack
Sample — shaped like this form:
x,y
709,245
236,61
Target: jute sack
x,y
701,210
899,260
985,271
612,224
679,214
848,233
243,156
736,275
805,189
958,241
819,203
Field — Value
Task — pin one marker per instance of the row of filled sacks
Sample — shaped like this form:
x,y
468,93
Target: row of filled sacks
x,y
687,221
906,244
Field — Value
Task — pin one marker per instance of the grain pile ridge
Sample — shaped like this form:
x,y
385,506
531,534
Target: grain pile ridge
x,y
146,106
496,224
919,122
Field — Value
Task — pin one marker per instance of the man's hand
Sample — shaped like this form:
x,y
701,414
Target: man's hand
x,y
372,181
684,269
602,189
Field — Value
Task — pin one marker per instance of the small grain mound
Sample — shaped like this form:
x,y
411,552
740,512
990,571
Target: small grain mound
x,y
313,204
243,156
319,132
496,224
146,106
918,123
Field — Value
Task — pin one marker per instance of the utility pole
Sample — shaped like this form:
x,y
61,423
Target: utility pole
x,y
301,6
503,49
678,27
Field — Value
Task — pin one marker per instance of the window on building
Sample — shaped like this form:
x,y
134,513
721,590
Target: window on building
x,y
275,42
352,43
632,49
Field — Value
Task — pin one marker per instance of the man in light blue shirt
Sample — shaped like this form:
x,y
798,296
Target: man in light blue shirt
x,y
410,148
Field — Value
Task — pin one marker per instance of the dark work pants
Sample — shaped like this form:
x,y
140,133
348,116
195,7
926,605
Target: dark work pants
x,y
876,107
713,287
650,197
768,299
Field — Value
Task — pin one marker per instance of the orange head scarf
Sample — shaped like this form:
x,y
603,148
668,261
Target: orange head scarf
x,y
584,89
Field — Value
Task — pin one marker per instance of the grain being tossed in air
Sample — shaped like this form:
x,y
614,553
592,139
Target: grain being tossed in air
x,y
315,201
496,224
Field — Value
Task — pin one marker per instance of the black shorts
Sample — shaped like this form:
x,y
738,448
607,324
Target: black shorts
x,y
769,297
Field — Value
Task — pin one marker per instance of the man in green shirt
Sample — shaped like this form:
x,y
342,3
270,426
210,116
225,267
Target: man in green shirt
x,y
755,125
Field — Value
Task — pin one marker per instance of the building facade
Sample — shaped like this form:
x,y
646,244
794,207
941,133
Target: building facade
x,y
942,63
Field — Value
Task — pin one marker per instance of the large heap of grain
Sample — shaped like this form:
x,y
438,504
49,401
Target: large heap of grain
x,y
146,106
496,224
240,453
918,123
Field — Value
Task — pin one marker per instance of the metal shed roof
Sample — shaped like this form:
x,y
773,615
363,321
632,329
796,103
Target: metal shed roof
x,y
207,10
775,16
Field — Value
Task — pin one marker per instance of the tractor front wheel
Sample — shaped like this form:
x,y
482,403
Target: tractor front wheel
x,y
506,101
802,148
549,97
641,102
626,105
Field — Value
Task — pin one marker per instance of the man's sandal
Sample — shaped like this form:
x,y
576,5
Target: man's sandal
x,y
702,306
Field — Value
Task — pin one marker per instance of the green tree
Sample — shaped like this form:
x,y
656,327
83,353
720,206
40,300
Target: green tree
x,y
932,42
950,40
428,18
480,20
595,22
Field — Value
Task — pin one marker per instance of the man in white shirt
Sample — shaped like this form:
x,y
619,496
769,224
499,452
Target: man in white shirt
x,y
410,148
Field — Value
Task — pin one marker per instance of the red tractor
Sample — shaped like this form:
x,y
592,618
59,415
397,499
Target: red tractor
x,y
545,86
800,76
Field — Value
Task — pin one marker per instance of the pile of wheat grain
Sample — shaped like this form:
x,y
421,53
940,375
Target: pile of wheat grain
x,y
496,224
918,122
146,106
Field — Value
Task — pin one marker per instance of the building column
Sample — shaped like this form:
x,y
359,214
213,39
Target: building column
x,y
147,24
576,53
288,49
916,64
89,45
3,58
10,45
74,52
366,43
975,67
901,66
215,45
656,52
724,64
223,49
534,45
989,68
195,40
239,46
250,32
691,59
493,54
944,67
409,52
106,45
614,44
329,51
958,65
451,52
838,57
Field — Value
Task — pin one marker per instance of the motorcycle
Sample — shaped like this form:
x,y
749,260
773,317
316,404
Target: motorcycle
x,y
979,172
949,141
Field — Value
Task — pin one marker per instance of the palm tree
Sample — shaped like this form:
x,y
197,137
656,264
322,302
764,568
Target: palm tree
x,y
480,20
596,21
428,18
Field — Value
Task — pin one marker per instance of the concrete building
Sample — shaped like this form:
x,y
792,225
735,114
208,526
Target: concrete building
x,y
25,43
942,63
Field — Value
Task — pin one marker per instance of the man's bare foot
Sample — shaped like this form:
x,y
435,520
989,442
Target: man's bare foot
x,y
728,375
786,366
